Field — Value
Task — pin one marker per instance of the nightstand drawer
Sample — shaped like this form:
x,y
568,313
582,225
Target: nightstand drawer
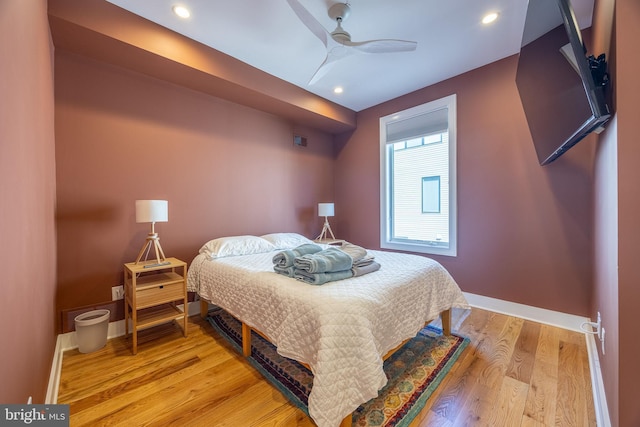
x,y
150,296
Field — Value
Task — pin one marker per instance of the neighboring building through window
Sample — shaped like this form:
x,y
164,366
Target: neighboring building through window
x,y
418,177
431,194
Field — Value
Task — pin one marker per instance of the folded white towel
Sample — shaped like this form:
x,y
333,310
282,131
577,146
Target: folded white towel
x,y
354,251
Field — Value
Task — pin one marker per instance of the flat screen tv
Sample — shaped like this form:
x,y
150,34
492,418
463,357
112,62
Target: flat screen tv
x,y
561,88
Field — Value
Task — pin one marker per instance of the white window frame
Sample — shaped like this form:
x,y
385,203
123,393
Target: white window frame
x,y
386,242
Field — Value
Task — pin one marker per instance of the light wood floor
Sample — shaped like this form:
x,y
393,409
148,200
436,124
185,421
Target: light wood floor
x,y
514,373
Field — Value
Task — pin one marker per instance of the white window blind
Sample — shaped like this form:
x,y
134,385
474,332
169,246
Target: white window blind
x,y
432,122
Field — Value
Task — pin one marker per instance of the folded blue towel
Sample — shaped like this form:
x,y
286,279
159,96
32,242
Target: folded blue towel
x,y
326,261
322,278
285,271
285,258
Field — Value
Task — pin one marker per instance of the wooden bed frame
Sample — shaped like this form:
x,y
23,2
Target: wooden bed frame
x,y
445,316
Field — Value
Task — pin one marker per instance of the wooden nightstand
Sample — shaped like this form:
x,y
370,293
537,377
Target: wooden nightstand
x,y
333,242
151,293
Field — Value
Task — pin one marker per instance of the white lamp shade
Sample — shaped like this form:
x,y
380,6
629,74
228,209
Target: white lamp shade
x,y
152,211
325,209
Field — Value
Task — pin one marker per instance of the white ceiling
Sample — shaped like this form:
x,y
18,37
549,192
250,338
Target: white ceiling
x,y
268,35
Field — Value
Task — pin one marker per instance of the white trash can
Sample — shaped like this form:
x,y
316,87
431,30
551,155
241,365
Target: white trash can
x,y
91,330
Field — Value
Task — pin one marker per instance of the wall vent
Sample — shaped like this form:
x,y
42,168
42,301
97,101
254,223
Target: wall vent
x,y
300,141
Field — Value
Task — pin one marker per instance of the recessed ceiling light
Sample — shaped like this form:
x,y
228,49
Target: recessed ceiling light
x,y
181,11
338,89
489,18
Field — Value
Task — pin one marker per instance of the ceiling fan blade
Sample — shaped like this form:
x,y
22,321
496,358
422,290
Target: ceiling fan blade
x,y
335,52
307,19
320,73
383,46
324,68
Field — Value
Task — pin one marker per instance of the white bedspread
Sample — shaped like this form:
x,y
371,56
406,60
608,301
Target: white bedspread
x,y
340,329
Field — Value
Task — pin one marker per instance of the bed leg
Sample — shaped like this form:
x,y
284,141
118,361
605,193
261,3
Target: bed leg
x,y
204,308
445,316
346,422
246,340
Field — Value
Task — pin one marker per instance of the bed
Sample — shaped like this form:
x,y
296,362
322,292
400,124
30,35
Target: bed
x,y
342,329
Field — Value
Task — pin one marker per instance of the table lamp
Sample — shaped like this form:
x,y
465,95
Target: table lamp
x,y
326,210
152,211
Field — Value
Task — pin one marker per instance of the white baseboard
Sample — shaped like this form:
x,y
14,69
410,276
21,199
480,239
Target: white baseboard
x,y
597,384
560,320
536,314
54,375
194,308
554,318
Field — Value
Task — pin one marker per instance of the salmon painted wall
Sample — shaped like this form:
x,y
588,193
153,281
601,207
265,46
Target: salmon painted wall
x,y
524,231
225,170
27,201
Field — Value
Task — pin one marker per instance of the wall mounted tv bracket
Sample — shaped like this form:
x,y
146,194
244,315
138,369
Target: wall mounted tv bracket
x,y
598,68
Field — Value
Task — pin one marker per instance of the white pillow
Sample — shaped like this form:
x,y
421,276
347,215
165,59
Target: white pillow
x,y
235,246
286,240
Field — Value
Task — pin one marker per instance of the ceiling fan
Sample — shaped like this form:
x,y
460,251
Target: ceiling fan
x,y
338,42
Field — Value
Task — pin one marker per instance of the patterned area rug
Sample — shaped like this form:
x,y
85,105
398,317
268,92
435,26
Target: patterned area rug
x,y
414,372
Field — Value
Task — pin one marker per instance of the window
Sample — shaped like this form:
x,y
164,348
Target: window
x,y
418,178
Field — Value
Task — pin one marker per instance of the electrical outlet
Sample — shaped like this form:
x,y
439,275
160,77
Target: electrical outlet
x,y
117,292
599,328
